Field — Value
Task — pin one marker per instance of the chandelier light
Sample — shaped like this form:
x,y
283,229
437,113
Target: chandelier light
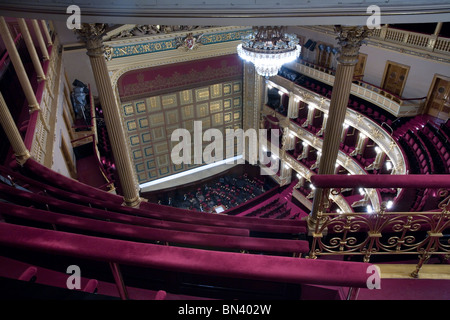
x,y
268,48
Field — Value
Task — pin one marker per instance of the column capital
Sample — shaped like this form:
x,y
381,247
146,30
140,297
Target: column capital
x,y
350,39
92,35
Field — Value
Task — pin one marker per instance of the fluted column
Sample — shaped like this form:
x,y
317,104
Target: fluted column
x,y
438,28
31,49
285,173
350,40
344,132
18,66
92,35
288,140
40,39
310,118
305,151
317,163
46,33
293,106
15,139
362,141
324,124
379,160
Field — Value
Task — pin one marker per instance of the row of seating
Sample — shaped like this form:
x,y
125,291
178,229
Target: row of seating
x,y
165,216
417,159
372,112
445,129
69,218
281,207
262,209
420,200
440,144
437,158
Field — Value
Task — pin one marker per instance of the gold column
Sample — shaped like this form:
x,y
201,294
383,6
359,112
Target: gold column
x,y
40,39
15,139
310,117
360,145
438,28
46,33
288,140
18,66
350,39
92,34
31,49
324,124
293,106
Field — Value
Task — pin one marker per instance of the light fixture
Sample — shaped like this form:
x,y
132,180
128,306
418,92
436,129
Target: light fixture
x,y
312,106
388,165
268,48
369,208
389,204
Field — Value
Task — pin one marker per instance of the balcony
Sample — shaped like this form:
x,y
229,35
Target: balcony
x,y
415,40
394,104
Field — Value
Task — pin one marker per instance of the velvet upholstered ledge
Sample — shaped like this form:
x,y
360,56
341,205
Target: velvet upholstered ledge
x,y
157,211
226,264
137,233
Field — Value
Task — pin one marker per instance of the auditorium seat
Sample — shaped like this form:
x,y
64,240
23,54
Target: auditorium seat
x,y
91,286
29,274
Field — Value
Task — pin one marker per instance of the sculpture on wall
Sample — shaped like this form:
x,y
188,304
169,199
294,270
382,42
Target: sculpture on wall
x,y
190,42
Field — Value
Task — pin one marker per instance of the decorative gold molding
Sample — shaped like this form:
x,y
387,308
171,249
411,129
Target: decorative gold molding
x,y
350,40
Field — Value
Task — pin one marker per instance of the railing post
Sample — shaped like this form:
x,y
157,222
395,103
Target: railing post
x,y
119,280
352,293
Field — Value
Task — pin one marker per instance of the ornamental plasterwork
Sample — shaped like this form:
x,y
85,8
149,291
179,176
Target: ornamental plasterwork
x,y
190,42
143,30
144,46
350,40
375,133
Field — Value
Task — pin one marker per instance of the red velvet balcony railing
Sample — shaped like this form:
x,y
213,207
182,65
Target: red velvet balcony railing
x,y
212,263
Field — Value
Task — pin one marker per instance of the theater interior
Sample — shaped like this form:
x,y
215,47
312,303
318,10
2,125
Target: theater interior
x,y
342,193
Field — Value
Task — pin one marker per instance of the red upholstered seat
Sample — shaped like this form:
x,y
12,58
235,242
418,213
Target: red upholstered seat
x,y
161,295
91,286
29,274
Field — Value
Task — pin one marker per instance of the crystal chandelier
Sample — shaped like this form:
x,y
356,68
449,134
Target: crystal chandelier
x,y
268,48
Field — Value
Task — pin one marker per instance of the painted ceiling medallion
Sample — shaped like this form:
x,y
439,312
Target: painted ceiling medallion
x,y
190,42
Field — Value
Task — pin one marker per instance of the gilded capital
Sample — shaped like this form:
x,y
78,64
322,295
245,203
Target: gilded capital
x,y
350,39
92,34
